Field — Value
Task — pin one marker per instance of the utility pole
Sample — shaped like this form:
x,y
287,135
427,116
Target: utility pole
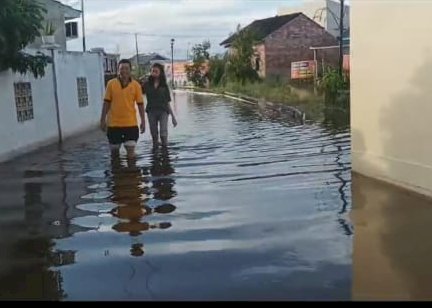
x,y
341,33
56,99
83,26
187,52
137,55
172,63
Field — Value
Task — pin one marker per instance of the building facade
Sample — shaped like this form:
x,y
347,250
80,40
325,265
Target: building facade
x,y
180,76
64,102
29,106
287,39
391,74
56,14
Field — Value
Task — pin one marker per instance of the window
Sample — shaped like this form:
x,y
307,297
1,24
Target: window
x,y
71,30
257,64
82,91
23,101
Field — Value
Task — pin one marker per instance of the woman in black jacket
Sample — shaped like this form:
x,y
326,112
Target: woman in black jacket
x,y
158,105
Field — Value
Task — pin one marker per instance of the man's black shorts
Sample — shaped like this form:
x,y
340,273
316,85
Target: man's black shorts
x,y
119,135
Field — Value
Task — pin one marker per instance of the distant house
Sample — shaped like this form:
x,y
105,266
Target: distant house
x,y
110,62
146,60
180,76
286,39
58,14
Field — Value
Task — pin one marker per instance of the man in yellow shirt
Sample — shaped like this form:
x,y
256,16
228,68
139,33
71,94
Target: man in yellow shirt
x,y
119,118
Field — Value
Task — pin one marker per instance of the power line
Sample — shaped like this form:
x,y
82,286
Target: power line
x,y
158,35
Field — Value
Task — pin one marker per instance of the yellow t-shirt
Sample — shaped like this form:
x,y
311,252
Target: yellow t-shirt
x,y
122,112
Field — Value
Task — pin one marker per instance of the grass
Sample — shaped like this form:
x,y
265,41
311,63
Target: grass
x,y
280,93
274,92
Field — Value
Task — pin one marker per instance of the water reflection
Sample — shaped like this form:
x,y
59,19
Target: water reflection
x,y
391,241
161,170
291,248
27,253
135,199
33,201
336,120
129,192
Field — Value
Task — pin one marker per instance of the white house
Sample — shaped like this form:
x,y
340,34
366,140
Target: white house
x,y
324,12
58,15
65,102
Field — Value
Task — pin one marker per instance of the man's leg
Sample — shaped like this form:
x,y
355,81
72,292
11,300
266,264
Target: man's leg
x,y
115,139
163,122
131,135
153,123
130,149
115,150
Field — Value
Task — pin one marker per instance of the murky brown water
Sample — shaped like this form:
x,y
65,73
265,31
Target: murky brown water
x,y
242,206
392,249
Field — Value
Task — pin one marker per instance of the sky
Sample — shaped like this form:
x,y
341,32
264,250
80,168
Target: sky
x,y
111,24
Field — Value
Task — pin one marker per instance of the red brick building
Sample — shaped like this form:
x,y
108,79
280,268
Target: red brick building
x,y
286,39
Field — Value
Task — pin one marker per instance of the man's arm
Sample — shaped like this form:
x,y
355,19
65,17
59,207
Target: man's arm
x,y
106,107
140,102
142,116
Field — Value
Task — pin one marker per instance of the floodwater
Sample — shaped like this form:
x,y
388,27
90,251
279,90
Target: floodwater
x,y
243,205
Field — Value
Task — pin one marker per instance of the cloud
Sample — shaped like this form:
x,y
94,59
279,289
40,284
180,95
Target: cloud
x,y
112,24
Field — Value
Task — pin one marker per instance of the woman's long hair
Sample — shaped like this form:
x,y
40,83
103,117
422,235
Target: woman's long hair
x,y
162,76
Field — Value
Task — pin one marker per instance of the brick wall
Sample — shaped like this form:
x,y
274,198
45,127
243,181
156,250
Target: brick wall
x,y
291,43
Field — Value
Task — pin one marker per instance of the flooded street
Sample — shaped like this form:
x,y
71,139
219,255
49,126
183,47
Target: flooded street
x,y
242,206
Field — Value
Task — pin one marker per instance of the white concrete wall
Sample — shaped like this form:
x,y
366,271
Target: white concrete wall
x,y
69,66
391,97
18,138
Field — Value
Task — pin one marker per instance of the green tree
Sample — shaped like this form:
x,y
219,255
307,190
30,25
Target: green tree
x,y
217,69
332,83
195,71
20,23
240,64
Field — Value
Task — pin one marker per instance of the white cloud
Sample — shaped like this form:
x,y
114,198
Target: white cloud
x,y
111,24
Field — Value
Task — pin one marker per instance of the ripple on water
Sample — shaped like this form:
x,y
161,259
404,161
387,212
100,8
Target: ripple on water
x,y
97,195
240,206
103,207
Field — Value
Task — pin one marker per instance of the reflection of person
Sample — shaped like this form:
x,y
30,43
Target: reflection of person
x,y
118,116
158,105
137,250
160,170
129,192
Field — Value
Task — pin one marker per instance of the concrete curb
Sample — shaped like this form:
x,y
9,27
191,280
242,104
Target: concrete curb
x,y
286,109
